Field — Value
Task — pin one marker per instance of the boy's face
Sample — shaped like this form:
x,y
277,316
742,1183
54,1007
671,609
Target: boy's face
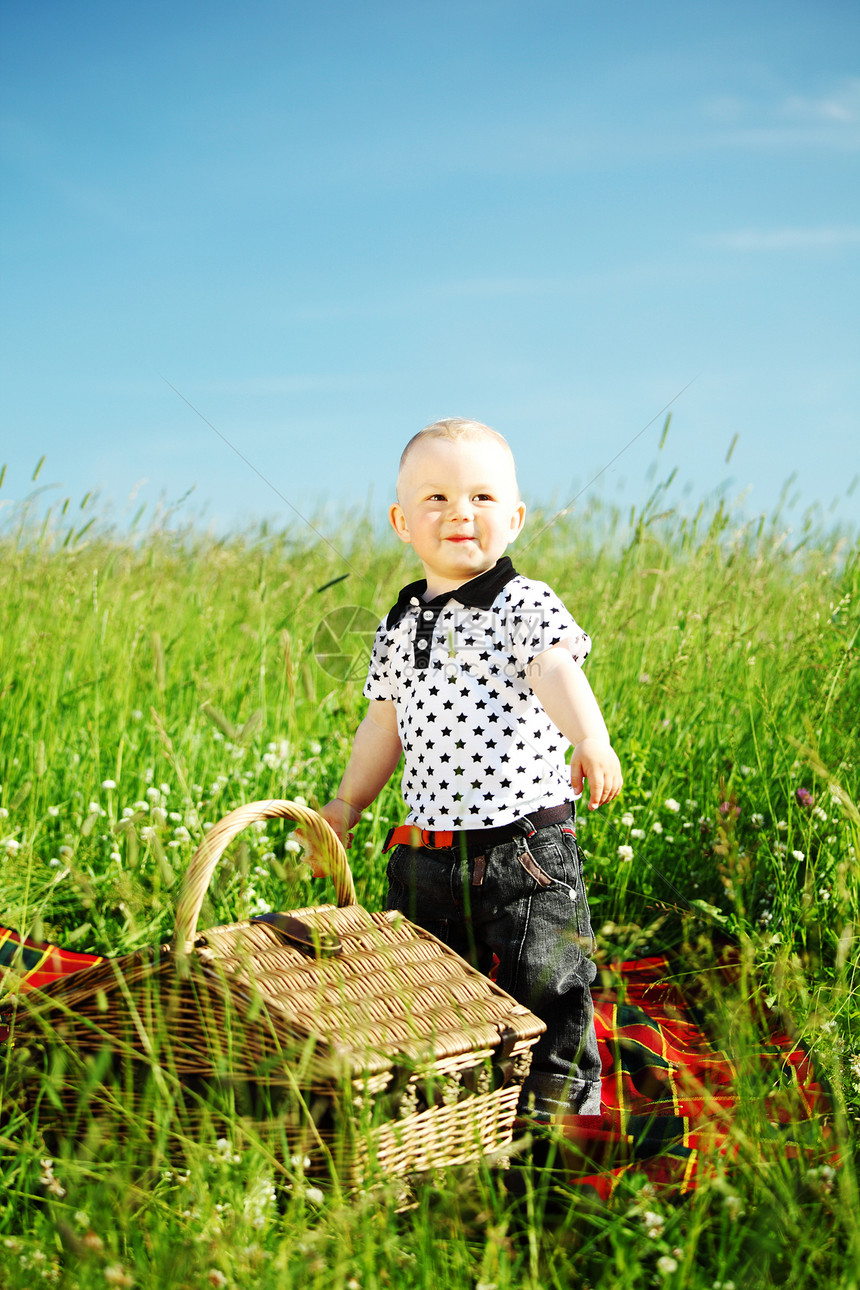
x,y
459,507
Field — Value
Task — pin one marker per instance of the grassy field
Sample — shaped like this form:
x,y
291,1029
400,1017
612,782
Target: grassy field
x,y
149,683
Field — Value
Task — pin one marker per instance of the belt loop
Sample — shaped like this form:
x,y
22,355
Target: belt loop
x,y
529,830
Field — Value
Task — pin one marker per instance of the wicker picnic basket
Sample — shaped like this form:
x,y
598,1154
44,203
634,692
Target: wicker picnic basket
x,y
345,1036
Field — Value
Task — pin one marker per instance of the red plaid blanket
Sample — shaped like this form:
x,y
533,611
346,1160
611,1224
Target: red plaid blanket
x,y
670,1094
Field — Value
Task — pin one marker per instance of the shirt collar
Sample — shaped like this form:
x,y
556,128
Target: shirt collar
x,y
477,593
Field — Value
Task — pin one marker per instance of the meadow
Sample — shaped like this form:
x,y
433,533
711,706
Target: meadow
x,y
151,679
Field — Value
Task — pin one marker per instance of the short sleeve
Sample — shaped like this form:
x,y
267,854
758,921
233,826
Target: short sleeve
x,y
537,620
380,682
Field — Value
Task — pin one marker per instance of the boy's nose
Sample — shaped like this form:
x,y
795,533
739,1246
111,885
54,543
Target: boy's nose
x,y
461,508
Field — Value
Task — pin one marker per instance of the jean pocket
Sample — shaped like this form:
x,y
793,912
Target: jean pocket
x,y
553,859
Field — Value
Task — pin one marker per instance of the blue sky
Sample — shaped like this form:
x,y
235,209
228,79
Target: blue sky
x,y
328,223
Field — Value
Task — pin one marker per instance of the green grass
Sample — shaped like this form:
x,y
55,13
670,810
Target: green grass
x,y
150,682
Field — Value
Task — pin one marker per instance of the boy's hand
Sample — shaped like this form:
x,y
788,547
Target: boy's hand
x,y
341,816
595,759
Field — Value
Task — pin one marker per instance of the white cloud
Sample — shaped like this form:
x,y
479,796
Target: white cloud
x,y
829,120
787,239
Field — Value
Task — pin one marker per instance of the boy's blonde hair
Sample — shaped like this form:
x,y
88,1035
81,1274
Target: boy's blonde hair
x,y
454,428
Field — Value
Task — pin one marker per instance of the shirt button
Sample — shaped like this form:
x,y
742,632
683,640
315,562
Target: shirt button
x,y
421,644
428,613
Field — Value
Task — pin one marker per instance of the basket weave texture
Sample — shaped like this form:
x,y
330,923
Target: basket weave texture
x,y
342,1029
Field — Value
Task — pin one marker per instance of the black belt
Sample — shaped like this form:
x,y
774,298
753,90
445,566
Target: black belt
x,y
476,841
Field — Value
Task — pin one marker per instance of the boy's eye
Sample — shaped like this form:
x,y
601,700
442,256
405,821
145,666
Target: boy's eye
x,y
483,497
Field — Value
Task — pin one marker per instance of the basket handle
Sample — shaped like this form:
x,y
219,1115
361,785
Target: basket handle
x,y
324,842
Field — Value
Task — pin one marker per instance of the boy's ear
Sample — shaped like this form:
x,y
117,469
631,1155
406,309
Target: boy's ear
x,y
398,522
518,519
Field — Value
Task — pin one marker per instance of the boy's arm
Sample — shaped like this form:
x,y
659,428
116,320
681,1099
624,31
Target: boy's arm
x,y
375,753
562,689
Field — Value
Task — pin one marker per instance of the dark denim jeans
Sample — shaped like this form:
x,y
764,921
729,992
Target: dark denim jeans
x,y
523,904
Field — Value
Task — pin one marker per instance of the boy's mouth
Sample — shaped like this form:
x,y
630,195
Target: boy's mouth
x,y
460,537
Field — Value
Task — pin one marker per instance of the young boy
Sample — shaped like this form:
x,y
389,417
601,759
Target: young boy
x,y
476,677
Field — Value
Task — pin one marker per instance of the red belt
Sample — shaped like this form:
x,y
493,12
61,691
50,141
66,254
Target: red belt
x,y
472,840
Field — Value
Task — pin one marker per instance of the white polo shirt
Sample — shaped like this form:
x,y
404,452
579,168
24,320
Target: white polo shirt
x,y
480,750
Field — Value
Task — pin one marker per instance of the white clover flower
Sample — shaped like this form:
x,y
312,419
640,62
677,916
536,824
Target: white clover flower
x,y
260,906
116,1275
625,853
153,793
159,816
53,811
93,808
54,862
174,817
798,856
824,894
781,826
182,833
654,1223
314,748
137,715
116,857
666,1265
627,819
657,827
819,814
300,801
66,851
671,805
148,833
637,834
314,1195
292,845
141,805
12,845
757,820
108,785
